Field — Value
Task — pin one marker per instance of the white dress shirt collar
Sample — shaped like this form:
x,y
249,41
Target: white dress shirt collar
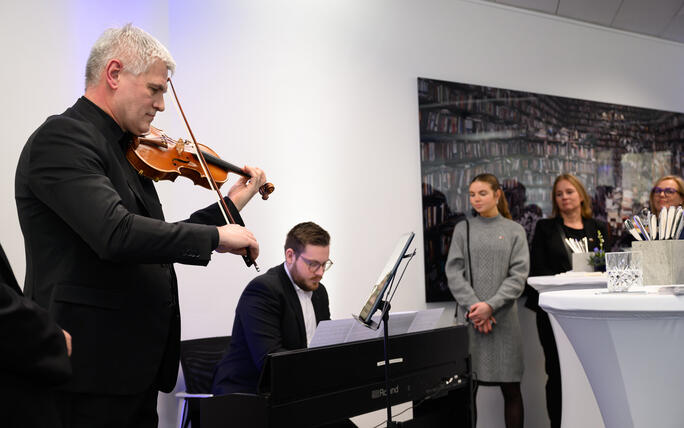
x,y
307,307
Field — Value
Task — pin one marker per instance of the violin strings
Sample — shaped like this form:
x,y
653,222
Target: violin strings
x,y
204,167
223,207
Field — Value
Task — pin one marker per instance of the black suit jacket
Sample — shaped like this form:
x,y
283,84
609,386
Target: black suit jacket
x,y
33,357
549,255
99,253
268,318
32,347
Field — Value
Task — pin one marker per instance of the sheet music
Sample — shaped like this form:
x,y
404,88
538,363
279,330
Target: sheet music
x,y
333,332
357,332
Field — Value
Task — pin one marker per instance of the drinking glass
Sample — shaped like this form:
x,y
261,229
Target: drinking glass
x,y
624,270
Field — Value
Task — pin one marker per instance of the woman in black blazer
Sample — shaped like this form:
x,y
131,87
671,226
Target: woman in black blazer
x,y
571,218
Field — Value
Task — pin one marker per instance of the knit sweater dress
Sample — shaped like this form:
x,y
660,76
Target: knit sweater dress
x,y
500,264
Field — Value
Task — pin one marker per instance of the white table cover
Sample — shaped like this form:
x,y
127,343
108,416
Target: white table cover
x,y
630,345
580,408
568,281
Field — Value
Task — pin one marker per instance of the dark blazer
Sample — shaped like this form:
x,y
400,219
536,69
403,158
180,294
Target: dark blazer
x,y
268,318
548,253
32,347
99,253
33,357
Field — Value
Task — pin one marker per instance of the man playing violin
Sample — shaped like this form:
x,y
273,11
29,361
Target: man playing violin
x,y
99,253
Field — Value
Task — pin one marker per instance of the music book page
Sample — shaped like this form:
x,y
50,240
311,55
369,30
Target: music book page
x,y
333,332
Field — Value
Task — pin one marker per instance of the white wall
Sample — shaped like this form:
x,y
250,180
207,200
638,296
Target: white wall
x,y
322,96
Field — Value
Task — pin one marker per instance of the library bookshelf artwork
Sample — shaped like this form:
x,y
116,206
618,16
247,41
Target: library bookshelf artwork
x,y
527,139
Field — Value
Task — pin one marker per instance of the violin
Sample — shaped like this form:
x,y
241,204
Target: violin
x,y
159,157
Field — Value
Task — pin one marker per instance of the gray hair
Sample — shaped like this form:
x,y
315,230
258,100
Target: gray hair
x,y
135,48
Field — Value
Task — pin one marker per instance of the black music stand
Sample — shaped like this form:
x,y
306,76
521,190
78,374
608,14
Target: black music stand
x,y
380,299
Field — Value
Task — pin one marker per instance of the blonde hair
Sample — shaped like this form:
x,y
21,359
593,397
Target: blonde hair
x,y
585,203
493,182
680,185
136,49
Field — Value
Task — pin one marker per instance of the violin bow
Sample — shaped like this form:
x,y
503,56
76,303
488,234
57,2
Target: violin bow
x,y
247,257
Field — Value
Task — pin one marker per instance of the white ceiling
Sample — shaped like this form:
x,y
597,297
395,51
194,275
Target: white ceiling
x,y
658,18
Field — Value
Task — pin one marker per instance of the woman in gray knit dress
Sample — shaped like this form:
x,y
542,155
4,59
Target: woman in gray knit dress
x,y
499,263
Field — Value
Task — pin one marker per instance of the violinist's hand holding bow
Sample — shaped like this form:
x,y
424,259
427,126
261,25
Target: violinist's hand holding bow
x,y
234,238
243,190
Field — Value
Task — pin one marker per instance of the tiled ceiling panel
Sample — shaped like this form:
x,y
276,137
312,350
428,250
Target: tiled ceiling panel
x,y
546,6
646,16
658,18
675,31
599,12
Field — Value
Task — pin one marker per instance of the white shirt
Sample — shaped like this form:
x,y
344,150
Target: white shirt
x,y
307,307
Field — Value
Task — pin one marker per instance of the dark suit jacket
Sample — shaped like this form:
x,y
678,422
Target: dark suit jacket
x,y
549,255
268,318
33,357
32,347
99,253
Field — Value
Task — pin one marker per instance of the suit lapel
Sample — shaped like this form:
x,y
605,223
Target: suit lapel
x,y
293,301
149,198
559,228
316,302
142,188
590,230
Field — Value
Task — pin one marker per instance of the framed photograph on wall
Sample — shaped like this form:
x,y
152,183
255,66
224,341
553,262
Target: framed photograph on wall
x,y
527,140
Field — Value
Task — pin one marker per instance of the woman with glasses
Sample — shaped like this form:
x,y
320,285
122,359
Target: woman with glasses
x,y
668,191
571,217
486,268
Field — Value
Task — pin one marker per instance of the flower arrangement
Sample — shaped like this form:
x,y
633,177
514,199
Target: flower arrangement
x,y
597,259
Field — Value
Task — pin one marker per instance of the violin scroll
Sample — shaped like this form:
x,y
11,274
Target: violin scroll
x,y
266,190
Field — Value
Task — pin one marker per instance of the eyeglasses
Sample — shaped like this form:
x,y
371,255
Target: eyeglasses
x,y
314,265
669,191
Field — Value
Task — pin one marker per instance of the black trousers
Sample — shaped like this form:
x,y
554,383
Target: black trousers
x,y
79,410
554,398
